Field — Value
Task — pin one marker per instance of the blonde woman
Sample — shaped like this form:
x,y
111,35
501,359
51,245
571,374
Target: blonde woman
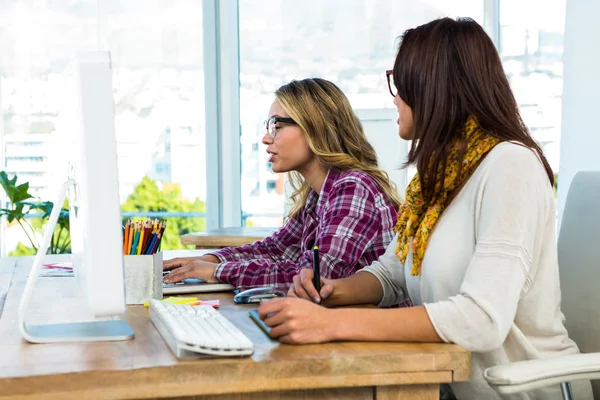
x,y
342,202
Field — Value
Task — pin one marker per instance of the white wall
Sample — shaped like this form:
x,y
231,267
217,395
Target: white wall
x,y
381,130
580,136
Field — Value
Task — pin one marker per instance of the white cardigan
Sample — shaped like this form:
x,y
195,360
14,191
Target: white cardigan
x,y
489,279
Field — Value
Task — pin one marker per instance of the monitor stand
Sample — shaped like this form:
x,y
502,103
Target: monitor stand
x,y
90,331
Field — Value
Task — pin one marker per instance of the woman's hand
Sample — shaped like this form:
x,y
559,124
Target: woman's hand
x,y
302,287
297,321
182,261
191,268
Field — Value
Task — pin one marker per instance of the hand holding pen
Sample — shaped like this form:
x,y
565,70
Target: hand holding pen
x,y
310,285
304,288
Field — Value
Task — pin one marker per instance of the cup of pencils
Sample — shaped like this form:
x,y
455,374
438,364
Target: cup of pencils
x,y
143,237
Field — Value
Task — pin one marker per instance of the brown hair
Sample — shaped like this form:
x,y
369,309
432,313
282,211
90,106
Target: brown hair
x,y
445,71
333,133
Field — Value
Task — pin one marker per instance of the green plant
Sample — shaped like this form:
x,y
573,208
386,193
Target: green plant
x,y
148,197
20,209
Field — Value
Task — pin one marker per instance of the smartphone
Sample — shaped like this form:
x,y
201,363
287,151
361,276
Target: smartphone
x,y
260,323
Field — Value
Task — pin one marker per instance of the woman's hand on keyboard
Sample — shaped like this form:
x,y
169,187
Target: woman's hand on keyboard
x,y
302,287
297,321
182,261
193,268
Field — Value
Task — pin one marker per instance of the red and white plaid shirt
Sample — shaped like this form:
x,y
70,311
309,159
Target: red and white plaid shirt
x,y
351,222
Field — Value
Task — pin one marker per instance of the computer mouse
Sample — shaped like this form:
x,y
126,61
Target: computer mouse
x,y
258,294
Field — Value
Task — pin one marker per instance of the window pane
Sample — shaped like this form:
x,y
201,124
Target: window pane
x,y
350,42
37,44
531,47
156,50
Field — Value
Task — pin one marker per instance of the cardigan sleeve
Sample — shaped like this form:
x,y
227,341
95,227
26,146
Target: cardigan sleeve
x,y
390,273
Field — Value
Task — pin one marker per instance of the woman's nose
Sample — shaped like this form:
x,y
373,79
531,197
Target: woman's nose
x,y
267,139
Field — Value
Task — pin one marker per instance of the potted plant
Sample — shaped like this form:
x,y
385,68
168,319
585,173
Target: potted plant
x,y
21,209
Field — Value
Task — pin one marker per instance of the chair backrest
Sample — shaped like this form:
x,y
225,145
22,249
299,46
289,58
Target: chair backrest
x,y
579,263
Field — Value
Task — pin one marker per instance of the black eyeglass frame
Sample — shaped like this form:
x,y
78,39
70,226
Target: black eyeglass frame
x,y
270,124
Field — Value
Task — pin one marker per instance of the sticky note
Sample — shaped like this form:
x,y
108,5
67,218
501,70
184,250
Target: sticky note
x,y
176,300
179,300
212,303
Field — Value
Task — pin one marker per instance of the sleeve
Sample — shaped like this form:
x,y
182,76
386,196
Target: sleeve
x,y
514,209
283,244
390,273
346,229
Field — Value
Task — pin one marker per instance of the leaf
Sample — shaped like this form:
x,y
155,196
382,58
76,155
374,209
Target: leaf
x,y
14,193
19,209
16,214
21,193
7,184
44,206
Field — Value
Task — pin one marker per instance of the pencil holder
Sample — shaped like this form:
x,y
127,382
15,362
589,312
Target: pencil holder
x,y
143,278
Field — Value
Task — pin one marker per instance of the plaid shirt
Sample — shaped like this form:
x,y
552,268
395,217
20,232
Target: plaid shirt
x,y
351,222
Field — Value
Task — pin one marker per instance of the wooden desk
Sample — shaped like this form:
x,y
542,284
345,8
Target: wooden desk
x,y
226,237
145,368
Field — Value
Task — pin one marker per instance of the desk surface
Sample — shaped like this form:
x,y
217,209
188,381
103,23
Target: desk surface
x,y
226,237
146,368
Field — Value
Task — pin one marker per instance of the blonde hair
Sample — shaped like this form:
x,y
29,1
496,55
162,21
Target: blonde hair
x,y
333,133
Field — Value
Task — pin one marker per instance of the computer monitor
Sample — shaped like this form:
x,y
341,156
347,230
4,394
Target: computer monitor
x,y
92,188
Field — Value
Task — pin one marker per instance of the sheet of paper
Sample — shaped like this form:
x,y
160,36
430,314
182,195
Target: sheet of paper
x,y
59,265
55,273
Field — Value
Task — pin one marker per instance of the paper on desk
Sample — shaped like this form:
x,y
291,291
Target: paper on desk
x,y
59,265
55,272
57,269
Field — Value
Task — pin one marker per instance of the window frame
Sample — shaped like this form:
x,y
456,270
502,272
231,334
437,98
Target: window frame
x,y
222,113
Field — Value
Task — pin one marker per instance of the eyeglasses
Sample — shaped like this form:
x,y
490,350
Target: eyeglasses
x,y
389,76
271,126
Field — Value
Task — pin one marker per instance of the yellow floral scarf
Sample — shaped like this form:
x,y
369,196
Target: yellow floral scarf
x,y
416,218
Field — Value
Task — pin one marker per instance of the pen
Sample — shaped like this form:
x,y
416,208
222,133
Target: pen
x,y
316,270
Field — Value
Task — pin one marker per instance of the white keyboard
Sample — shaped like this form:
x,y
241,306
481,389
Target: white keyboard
x,y
198,331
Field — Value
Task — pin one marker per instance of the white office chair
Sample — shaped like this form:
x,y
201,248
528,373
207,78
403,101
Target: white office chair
x,y
579,264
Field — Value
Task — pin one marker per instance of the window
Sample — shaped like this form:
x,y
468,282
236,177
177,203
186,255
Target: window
x,y
25,159
158,80
158,83
531,48
350,42
159,97
271,186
